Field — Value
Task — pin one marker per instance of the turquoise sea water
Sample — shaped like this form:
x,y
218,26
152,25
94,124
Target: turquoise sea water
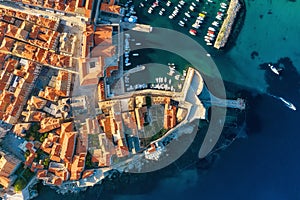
x,y
266,165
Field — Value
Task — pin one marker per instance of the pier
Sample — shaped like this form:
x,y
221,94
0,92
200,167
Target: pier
x,y
236,104
226,27
208,99
137,27
134,70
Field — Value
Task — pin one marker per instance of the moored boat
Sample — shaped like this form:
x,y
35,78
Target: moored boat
x,y
193,32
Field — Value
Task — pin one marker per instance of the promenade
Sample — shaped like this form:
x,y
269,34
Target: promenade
x,y
137,27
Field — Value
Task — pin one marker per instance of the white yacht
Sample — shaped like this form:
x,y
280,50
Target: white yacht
x,y
274,69
187,14
288,104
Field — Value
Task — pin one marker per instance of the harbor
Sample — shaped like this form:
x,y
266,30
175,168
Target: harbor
x,y
208,22
269,129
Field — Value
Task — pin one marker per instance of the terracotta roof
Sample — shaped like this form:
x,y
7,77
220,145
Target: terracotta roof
x,y
105,160
77,167
33,116
2,58
49,94
53,137
19,73
10,65
37,102
29,51
68,146
8,19
88,4
48,4
20,128
110,69
82,144
29,146
62,84
63,174
57,180
66,127
30,159
106,124
55,158
7,44
169,116
139,114
6,99
160,100
41,174
103,35
70,7
21,15
5,181
48,124
11,31
59,6
152,148
122,151
36,166
103,50
89,74
46,22
110,8
129,120
87,173
34,32
101,90
8,165
32,18
56,150
48,142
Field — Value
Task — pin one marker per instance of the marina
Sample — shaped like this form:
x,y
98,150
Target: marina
x,y
209,22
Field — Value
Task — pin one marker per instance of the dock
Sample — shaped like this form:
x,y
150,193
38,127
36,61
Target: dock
x,y
137,27
135,70
228,103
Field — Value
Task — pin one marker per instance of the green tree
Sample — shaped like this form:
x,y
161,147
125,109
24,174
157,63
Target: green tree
x,y
42,139
33,131
27,152
88,161
46,162
20,185
158,135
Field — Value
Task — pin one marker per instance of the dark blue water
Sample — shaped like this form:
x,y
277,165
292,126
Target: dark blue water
x,y
266,164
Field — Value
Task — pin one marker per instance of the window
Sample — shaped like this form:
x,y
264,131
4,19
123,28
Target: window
x,y
92,65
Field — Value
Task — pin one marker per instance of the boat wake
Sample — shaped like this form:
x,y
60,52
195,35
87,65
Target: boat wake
x,y
286,103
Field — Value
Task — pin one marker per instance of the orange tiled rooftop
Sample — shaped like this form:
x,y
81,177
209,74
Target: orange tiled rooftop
x,y
35,44
68,146
8,164
68,6
110,7
48,124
